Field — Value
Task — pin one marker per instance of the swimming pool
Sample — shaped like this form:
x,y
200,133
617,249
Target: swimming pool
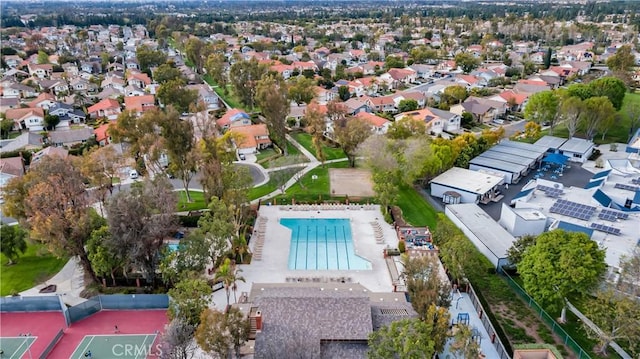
x,y
322,244
172,247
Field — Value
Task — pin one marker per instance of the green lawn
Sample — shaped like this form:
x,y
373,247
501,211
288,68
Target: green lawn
x,y
294,156
266,153
257,192
197,201
415,209
230,98
331,153
35,266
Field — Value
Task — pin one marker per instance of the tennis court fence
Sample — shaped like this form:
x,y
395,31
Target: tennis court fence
x,y
84,309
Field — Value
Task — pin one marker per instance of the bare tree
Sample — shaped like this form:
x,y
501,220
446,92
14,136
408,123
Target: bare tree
x,y
177,341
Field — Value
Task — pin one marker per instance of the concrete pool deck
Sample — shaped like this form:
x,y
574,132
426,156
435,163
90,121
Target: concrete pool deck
x,y
273,266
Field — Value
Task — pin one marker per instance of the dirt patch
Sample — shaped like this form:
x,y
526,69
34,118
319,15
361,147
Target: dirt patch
x,y
352,182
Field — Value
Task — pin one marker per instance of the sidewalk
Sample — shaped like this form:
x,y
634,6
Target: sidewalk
x,y
69,284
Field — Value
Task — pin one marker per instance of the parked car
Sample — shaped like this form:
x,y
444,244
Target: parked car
x,y
242,157
133,174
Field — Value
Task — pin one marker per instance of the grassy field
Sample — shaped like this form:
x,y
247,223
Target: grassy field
x,y
35,266
331,153
415,209
230,98
309,190
265,189
197,201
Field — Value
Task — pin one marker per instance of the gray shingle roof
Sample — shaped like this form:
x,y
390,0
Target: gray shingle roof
x,y
68,136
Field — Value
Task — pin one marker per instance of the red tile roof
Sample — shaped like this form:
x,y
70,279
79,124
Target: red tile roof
x,y
139,103
105,104
374,120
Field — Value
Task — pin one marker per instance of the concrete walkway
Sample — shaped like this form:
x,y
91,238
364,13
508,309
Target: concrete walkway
x,y
69,284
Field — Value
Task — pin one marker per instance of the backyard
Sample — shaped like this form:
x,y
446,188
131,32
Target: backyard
x,y
197,201
35,266
331,153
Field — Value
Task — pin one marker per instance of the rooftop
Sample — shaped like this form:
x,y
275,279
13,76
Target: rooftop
x,y
467,180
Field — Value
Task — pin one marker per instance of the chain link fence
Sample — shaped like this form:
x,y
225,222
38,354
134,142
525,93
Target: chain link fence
x,y
542,314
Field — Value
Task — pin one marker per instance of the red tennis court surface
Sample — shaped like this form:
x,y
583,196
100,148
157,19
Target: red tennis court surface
x,y
104,322
44,325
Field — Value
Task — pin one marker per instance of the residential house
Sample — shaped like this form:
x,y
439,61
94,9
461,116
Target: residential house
x,y
531,87
19,91
419,97
108,108
132,64
44,100
49,151
324,96
305,65
8,103
41,71
379,125
113,82
139,104
139,79
102,135
355,105
67,114
369,84
79,84
57,86
381,104
515,101
423,71
31,118
69,138
71,69
207,96
483,110
437,121
233,118
132,90
470,81
285,70
26,141
12,60
582,67
110,93
299,319
10,168
251,139
397,77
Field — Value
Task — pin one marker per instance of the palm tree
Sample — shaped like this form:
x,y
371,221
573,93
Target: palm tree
x,y
229,275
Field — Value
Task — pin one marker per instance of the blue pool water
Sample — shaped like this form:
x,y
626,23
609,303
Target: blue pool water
x,y
172,247
322,244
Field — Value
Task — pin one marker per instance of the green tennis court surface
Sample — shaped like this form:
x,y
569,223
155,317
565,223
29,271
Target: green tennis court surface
x,y
15,347
116,346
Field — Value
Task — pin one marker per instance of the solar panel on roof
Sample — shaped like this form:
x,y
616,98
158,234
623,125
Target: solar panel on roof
x,y
572,209
635,180
605,229
627,187
615,214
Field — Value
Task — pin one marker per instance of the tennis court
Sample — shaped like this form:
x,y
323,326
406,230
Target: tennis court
x,y
15,347
126,346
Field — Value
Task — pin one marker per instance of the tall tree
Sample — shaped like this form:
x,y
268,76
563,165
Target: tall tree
x,y
561,265
406,127
189,298
148,57
103,259
229,275
302,90
614,89
425,284
166,72
571,111
467,62
215,67
12,242
197,52
244,77
101,167
407,105
630,272
52,201
463,346
181,146
140,221
316,127
455,94
597,111
350,133
141,133
176,93
223,334
617,317
632,111
218,228
517,249
177,340
622,64
273,98
406,338
542,108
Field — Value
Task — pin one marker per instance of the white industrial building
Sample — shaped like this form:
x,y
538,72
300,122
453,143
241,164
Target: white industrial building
x,y
522,221
576,149
512,160
459,185
486,234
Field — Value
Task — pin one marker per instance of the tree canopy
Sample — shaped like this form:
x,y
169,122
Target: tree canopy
x,y
561,265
